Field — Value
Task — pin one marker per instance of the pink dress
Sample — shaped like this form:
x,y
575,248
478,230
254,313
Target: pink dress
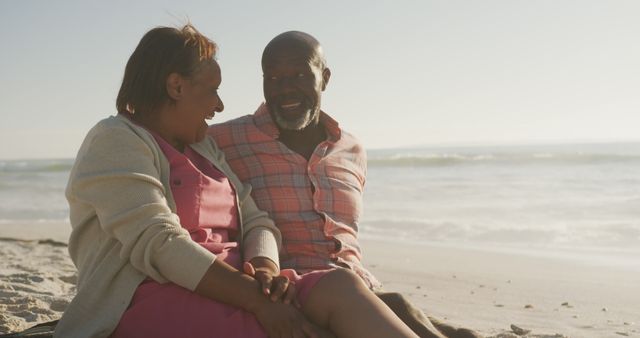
x,y
206,205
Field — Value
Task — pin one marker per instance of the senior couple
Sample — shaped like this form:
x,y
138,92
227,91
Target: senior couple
x,y
243,229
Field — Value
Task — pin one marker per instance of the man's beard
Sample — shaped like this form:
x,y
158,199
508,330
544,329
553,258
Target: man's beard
x,y
297,124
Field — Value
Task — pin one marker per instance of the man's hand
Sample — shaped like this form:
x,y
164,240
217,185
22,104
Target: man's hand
x,y
273,285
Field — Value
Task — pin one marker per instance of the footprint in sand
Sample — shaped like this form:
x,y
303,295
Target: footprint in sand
x,y
59,305
36,279
27,316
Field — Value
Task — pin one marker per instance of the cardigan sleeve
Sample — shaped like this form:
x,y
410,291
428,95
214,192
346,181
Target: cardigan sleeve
x,y
117,175
261,237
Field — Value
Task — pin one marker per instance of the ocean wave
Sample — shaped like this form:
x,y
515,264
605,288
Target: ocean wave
x,y
33,220
456,159
35,166
596,234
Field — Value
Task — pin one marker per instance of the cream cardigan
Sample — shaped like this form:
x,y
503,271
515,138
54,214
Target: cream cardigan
x,y
124,226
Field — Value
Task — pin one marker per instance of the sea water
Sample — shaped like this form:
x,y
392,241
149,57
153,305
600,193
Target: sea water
x,y
32,191
580,199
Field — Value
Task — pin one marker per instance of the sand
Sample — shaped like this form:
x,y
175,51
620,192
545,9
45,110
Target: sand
x,y
37,282
490,291
480,289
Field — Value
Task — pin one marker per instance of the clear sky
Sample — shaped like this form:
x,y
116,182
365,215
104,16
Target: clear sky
x,y
403,72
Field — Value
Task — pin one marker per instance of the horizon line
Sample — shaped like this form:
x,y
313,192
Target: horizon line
x,y
483,144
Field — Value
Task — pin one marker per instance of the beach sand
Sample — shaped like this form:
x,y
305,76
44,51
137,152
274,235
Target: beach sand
x,y
490,291
37,277
479,289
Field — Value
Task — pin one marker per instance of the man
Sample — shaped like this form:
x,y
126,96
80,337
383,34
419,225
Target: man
x,y
306,171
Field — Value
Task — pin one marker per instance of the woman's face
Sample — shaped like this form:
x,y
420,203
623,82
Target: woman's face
x,y
199,102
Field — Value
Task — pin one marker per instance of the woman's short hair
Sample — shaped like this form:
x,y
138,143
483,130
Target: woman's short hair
x,y
161,51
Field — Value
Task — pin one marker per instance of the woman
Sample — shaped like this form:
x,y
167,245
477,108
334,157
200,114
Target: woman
x,y
161,226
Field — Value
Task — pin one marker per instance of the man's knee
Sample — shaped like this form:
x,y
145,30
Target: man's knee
x,y
340,282
409,314
345,277
399,304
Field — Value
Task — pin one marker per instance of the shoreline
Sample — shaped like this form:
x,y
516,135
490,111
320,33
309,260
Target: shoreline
x,y
29,230
625,258
490,291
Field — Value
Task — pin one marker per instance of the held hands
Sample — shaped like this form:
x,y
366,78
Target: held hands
x,y
277,316
272,284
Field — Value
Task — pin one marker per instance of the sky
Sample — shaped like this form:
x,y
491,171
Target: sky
x,y
404,73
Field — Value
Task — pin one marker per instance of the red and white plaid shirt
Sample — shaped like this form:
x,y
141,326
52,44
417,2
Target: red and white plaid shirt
x,y
316,204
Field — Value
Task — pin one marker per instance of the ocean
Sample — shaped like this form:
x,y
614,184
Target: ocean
x,y
578,199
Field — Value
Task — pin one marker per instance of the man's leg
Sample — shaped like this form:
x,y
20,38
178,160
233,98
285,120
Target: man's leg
x,y
341,302
418,322
452,331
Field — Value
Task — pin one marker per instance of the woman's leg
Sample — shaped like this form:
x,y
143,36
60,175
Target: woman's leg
x,y
341,302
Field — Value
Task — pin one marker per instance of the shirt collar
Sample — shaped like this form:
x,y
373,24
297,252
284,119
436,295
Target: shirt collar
x,y
264,122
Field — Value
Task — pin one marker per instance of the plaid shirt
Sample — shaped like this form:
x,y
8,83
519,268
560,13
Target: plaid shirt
x,y
316,204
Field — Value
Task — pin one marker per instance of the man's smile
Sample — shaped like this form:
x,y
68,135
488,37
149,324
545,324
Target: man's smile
x,y
290,105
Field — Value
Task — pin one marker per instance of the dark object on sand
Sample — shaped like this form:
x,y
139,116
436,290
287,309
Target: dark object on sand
x,y
519,331
44,330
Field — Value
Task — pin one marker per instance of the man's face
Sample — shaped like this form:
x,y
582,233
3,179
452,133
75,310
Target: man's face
x,y
293,82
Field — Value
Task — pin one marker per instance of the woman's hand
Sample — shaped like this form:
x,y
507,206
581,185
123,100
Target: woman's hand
x,y
273,285
225,284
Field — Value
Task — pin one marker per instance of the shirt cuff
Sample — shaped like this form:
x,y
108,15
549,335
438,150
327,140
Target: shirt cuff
x,y
260,242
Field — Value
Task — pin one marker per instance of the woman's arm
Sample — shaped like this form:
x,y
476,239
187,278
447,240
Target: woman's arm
x,y
223,283
117,179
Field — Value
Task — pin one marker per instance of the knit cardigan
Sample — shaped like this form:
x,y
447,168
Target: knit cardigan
x,y
125,227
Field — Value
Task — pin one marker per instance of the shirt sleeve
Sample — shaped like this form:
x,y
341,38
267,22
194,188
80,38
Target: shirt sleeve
x,y
118,176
